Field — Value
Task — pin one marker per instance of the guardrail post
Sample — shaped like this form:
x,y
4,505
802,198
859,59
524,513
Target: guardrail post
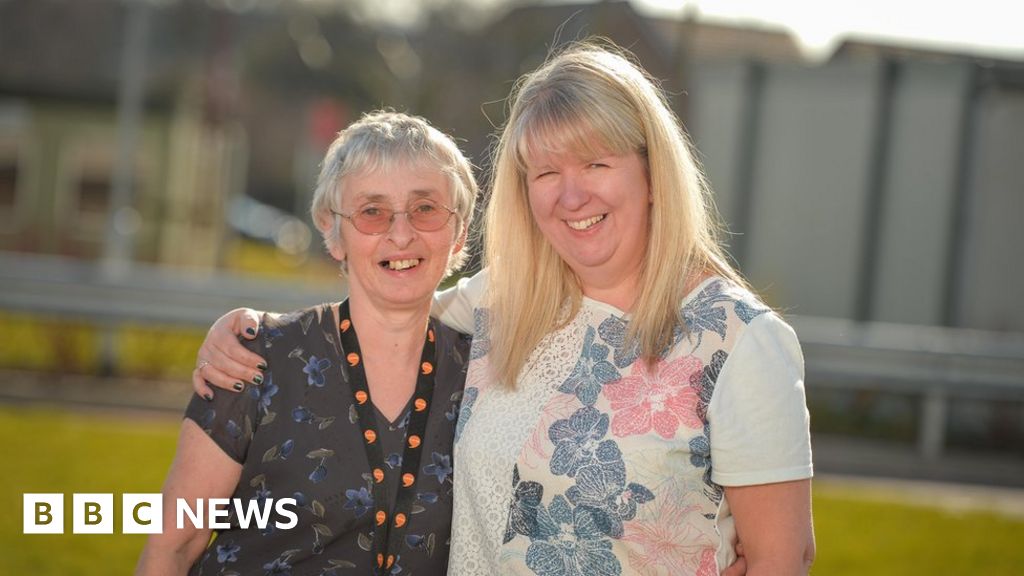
x,y
932,431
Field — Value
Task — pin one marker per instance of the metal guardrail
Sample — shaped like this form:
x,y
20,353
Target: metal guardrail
x,y
57,285
937,364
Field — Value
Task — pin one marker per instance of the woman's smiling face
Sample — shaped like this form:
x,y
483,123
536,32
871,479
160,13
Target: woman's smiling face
x,y
402,266
594,211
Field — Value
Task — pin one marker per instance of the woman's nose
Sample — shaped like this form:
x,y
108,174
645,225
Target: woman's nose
x,y
573,194
401,232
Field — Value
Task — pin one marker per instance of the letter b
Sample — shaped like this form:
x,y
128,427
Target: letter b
x,y
43,513
93,514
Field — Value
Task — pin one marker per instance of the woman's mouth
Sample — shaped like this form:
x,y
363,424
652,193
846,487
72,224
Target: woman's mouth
x,y
584,224
399,265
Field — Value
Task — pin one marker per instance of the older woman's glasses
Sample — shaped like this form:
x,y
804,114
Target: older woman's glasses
x,y
424,215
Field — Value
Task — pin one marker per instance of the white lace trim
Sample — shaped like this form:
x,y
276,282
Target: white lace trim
x,y
500,424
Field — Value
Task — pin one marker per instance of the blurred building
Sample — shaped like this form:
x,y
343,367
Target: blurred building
x,y
883,184
59,80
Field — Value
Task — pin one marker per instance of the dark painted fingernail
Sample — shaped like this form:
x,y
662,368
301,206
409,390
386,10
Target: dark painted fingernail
x,y
238,386
262,365
250,331
208,396
257,379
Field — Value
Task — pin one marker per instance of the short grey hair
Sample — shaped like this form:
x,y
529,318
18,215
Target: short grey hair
x,y
381,139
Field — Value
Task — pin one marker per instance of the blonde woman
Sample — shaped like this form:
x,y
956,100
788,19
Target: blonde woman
x,y
631,407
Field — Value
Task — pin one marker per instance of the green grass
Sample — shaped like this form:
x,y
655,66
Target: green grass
x,y
858,533
68,452
47,450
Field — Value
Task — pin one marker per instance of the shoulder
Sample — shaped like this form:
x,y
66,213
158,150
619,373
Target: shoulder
x,y
718,315
300,319
451,342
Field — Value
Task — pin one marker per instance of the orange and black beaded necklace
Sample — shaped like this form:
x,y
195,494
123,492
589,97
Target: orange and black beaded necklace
x,y
389,529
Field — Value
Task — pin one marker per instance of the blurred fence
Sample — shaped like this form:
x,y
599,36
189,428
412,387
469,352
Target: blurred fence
x,y
934,365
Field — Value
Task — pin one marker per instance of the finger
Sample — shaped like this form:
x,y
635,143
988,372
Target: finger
x,y
245,363
233,370
249,323
213,376
737,568
200,387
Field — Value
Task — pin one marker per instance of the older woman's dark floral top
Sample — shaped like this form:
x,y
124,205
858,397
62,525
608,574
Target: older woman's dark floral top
x,y
298,436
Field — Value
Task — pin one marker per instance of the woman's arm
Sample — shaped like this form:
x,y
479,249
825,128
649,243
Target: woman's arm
x,y
200,470
456,305
773,521
224,362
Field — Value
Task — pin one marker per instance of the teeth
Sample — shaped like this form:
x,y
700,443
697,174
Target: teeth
x,y
402,264
584,224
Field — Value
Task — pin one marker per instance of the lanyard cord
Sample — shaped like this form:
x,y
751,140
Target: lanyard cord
x,y
388,532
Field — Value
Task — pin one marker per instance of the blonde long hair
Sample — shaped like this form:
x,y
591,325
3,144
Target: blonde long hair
x,y
590,98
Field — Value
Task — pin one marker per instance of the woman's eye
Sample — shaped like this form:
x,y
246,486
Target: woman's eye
x,y
425,208
371,211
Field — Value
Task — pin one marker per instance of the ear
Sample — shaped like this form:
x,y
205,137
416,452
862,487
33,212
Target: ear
x,y
461,240
337,251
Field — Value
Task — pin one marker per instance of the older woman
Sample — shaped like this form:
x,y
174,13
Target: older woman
x,y
356,428
631,407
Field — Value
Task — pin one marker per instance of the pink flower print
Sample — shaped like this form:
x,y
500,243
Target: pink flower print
x,y
672,542
661,399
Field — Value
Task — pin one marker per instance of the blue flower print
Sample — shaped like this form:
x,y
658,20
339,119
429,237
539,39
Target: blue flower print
x,y
227,552
577,441
700,451
701,313
481,334
279,567
302,414
261,495
579,549
267,391
527,515
393,460
264,393
208,417
747,311
700,457
613,331
602,491
359,500
315,371
705,386
466,411
592,371
320,472
440,467
286,449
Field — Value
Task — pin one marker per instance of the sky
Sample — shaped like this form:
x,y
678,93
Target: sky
x,y
993,28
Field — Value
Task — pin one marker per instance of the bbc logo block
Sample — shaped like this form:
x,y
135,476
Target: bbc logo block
x,y
43,514
92,513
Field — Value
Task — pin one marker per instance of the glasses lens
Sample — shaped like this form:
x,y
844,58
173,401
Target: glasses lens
x,y
373,219
427,215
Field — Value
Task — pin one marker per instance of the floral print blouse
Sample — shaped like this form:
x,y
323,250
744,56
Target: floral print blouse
x,y
297,436
599,465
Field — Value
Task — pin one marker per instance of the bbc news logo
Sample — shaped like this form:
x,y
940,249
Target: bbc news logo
x,y
144,513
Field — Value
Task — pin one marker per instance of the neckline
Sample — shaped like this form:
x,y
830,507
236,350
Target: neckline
x,y
589,302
